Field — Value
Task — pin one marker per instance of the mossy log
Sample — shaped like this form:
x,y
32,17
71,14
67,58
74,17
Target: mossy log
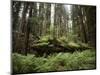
x,y
54,46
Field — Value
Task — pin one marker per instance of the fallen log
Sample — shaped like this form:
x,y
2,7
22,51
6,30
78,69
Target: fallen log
x,y
55,47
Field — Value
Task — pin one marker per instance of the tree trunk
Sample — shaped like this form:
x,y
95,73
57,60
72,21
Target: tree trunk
x,y
28,30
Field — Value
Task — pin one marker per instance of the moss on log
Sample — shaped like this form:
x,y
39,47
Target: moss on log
x,y
52,46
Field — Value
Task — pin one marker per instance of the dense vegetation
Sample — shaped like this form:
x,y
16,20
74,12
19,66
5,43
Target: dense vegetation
x,y
55,62
52,37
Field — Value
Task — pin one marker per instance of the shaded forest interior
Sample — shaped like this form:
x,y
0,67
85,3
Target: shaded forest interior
x,y
43,29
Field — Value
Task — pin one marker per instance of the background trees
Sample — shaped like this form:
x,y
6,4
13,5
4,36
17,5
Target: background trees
x,y
84,23
33,21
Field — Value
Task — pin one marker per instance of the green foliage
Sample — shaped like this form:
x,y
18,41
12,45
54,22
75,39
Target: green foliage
x,y
63,39
47,46
25,64
42,44
67,61
44,38
54,62
70,44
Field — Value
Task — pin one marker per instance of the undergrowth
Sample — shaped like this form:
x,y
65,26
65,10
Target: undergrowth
x,y
55,62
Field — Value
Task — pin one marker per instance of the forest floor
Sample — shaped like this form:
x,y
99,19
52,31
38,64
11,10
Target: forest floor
x,y
62,61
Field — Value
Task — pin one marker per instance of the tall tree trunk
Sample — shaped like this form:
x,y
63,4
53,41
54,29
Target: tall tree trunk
x,y
52,20
23,19
28,30
82,25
